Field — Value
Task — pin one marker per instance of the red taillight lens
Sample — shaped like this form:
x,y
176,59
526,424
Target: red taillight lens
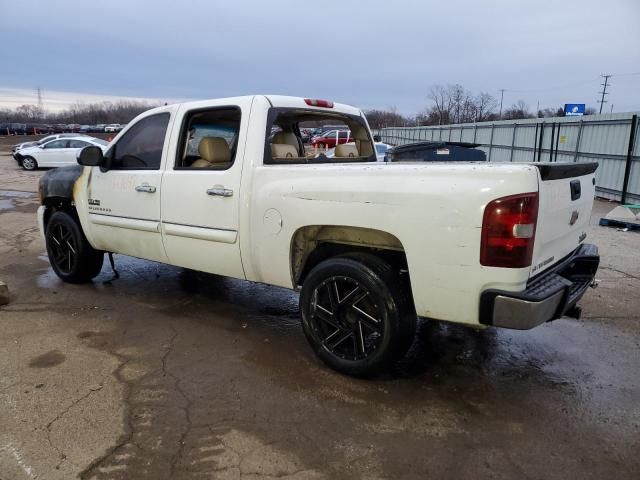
x,y
314,102
508,231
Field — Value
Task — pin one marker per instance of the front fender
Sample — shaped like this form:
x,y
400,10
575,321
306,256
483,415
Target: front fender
x,y
59,182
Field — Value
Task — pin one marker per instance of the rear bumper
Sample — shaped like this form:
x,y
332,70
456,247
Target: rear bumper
x,y
548,296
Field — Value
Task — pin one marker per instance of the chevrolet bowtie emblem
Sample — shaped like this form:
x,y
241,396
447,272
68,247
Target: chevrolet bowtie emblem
x,y
574,217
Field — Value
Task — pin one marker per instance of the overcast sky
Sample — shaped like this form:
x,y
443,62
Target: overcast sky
x,y
372,54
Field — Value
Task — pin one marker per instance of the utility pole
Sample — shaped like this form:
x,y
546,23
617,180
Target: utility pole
x,y
40,106
501,98
611,108
604,90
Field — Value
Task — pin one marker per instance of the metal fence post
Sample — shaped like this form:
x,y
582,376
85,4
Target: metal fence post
x,y
491,141
535,141
513,141
627,166
577,152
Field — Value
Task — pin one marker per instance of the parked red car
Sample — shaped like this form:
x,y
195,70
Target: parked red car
x,y
328,139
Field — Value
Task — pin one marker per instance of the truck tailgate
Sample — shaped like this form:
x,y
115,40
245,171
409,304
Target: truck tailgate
x,y
566,199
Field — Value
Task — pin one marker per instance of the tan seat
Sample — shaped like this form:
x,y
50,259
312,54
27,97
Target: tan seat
x,y
346,150
285,147
283,151
286,138
214,152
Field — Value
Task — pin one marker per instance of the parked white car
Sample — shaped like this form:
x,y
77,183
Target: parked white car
x,y
381,150
57,152
42,141
370,245
112,128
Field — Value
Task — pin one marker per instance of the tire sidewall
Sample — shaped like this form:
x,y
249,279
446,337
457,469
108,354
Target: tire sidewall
x,y
390,314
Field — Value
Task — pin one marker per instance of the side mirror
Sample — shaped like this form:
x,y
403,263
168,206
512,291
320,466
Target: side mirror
x,y
376,138
90,156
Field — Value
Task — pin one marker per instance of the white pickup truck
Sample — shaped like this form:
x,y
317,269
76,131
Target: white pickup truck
x,y
228,187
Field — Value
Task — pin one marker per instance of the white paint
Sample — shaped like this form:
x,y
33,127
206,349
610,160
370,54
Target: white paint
x,y
19,460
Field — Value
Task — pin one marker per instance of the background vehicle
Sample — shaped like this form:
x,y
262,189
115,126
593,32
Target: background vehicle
x,y
381,149
331,138
112,128
371,245
56,153
437,152
17,128
19,146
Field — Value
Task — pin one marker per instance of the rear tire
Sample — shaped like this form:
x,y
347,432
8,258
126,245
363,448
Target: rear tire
x,y
356,314
72,257
29,163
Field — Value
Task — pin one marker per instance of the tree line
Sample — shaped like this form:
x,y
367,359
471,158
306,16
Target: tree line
x,y
454,104
122,111
448,104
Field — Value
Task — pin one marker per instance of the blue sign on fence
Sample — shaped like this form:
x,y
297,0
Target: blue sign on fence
x,y
574,109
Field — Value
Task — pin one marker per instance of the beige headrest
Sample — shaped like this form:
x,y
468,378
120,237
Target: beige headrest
x,y
346,150
279,150
285,138
214,150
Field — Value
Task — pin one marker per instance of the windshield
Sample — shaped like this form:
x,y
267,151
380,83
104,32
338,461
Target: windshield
x,y
46,139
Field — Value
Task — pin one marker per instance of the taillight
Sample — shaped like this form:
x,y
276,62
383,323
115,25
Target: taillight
x,y
314,102
509,230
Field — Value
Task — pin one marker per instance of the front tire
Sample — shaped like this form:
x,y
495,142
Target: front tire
x,y
72,257
356,314
29,163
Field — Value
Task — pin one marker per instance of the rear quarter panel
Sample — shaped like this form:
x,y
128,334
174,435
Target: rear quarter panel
x,y
435,211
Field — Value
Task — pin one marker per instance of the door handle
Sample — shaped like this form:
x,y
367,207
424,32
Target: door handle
x,y
146,188
220,192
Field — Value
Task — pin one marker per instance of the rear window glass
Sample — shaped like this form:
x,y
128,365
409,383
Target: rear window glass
x,y
285,142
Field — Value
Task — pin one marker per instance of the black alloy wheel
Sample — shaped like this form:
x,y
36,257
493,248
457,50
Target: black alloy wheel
x,y
72,257
357,314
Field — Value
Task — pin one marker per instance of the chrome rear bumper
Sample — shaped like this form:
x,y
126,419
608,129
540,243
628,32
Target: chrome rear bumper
x,y
548,296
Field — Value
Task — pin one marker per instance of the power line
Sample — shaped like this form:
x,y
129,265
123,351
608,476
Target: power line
x,y
602,101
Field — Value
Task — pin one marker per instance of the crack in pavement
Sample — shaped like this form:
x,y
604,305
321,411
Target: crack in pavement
x,y
626,274
60,415
186,408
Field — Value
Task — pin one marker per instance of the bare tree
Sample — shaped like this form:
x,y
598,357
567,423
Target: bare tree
x,y
517,111
455,104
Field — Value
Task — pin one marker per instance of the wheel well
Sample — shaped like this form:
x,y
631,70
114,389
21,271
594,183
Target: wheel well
x,y
312,244
57,204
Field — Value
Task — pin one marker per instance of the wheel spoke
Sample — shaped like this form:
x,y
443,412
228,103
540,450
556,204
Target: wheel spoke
x,y
337,330
334,296
367,319
326,316
340,339
354,296
361,337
